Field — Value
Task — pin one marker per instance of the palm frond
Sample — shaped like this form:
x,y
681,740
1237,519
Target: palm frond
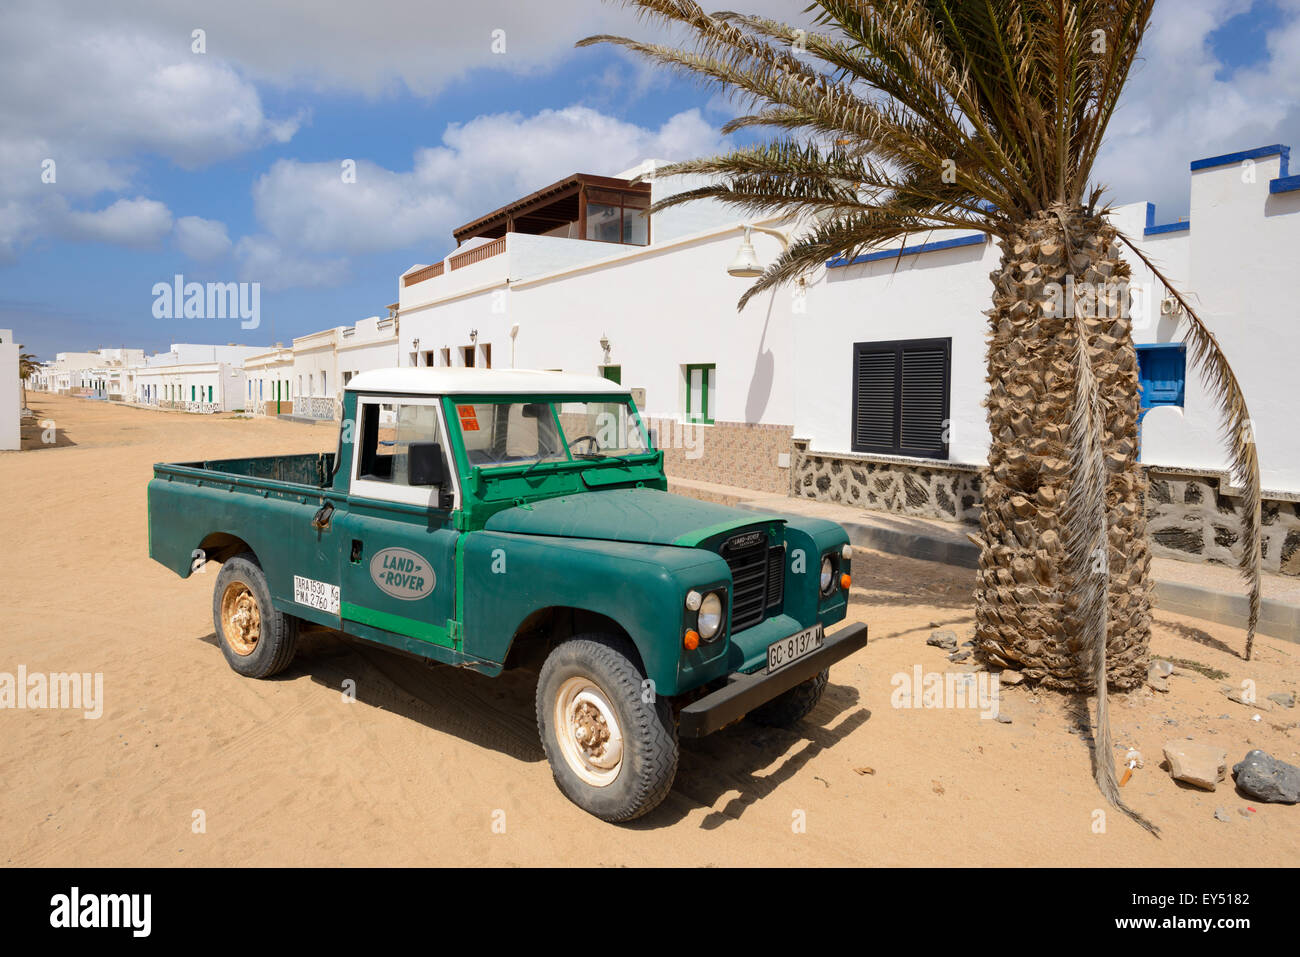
x,y
1238,434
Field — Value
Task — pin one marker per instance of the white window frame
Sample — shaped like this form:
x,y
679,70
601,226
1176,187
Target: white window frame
x,y
405,494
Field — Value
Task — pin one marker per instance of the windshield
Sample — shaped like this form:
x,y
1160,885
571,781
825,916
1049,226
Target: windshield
x,y
502,433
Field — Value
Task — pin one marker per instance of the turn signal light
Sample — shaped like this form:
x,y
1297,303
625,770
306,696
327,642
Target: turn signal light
x,y
845,581
692,639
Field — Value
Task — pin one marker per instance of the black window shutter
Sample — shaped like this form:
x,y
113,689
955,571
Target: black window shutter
x,y
901,397
875,398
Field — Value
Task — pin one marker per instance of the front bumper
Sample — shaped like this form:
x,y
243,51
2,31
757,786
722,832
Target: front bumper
x,y
743,693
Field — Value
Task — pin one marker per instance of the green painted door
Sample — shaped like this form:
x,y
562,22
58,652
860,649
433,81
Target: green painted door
x,y
396,544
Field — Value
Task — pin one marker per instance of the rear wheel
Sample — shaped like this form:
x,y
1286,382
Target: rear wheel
x,y
257,640
610,741
790,707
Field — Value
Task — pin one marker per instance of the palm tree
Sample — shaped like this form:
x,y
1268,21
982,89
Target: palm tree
x,y
27,368
898,117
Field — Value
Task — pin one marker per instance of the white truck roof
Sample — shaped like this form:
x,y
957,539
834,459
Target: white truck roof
x,y
421,380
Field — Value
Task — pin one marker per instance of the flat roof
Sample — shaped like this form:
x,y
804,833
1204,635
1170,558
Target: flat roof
x,y
422,380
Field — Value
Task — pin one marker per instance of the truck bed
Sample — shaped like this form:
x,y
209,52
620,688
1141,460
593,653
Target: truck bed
x,y
207,508
312,468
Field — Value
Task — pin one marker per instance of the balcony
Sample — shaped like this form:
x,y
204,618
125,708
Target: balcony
x,y
577,219
513,257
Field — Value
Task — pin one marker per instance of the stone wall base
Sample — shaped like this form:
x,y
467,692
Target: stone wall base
x,y
1188,517
922,491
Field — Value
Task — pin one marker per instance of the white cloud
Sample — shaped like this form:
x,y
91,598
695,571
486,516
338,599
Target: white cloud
x,y
1178,107
308,208
128,222
85,99
202,239
263,260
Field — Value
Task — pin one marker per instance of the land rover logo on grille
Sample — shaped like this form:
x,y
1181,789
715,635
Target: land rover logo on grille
x,y
745,540
402,573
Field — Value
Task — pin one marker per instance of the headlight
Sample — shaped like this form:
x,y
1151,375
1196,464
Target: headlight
x,y
693,600
846,552
828,574
710,617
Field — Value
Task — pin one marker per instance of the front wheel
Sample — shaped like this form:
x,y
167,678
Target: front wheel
x,y
610,740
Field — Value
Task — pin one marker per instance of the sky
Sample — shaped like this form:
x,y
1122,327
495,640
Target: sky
x,y
133,150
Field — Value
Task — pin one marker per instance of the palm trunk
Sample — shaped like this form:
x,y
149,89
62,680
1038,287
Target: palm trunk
x,y
1025,617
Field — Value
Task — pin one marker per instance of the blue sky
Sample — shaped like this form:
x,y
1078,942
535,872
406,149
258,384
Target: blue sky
x,y
225,165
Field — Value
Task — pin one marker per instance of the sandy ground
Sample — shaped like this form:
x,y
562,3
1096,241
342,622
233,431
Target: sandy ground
x,y
420,768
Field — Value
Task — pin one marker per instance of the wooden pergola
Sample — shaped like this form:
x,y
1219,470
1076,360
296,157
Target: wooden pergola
x,y
559,204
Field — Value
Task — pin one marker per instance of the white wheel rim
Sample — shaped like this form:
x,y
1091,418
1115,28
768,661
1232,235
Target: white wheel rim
x,y
589,734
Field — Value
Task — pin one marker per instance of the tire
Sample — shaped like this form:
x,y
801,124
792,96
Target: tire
x,y
592,684
790,707
257,640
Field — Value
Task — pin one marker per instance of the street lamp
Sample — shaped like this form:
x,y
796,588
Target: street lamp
x,y
746,264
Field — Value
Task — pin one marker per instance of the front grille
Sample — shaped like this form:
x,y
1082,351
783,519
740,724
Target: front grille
x,y
758,583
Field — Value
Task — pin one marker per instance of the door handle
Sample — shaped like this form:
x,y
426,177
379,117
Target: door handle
x,y
321,520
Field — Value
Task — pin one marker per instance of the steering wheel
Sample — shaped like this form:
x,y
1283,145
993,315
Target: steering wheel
x,y
595,444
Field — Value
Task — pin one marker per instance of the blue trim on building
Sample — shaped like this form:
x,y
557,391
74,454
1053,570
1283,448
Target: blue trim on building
x,y
1153,230
1284,184
1277,149
840,261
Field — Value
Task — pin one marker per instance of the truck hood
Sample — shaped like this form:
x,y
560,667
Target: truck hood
x,y
642,515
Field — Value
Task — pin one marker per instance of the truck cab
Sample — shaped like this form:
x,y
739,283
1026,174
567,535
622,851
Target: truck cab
x,y
483,519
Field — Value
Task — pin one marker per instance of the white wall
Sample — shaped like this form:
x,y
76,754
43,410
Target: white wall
x,y
1235,263
10,404
931,295
660,309
1241,264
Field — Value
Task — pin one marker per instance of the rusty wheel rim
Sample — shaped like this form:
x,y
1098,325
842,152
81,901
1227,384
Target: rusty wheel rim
x,y
588,731
241,619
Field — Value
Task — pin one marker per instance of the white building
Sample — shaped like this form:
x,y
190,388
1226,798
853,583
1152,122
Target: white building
x,y
266,380
648,304
100,373
325,361
11,406
194,378
369,344
802,391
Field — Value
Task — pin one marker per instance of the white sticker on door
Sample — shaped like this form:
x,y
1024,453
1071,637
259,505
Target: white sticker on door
x,y
314,594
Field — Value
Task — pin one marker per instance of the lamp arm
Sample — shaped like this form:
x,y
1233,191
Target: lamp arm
x,y
785,240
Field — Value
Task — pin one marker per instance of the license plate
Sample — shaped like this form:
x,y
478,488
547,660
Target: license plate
x,y
787,650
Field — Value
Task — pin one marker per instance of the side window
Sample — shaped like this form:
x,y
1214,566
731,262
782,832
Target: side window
x,y
385,440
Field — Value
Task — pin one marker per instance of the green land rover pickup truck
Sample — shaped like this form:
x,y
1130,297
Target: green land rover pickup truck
x,y
479,518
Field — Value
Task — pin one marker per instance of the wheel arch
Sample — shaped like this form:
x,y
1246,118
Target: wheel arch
x,y
221,546
544,628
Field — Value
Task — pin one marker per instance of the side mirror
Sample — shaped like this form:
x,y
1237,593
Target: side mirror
x,y
424,464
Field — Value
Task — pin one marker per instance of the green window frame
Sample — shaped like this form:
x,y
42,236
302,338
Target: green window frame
x,y
192,389
707,371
